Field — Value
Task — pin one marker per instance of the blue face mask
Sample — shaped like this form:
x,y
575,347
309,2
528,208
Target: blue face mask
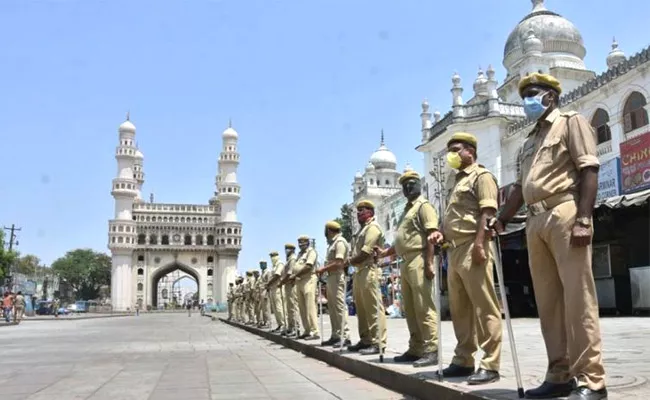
x,y
533,107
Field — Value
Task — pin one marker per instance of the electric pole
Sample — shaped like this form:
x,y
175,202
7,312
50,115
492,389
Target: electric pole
x,y
12,238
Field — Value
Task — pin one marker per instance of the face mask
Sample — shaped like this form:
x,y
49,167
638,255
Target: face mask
x,y
303,246
288,252
364,215
533,107
453,160
411,188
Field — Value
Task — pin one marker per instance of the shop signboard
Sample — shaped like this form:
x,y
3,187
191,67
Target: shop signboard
x,y
635,164
609,182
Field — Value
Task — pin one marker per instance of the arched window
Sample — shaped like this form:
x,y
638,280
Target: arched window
x,y
142,238
229,231
210,240
140,286
210,259
210,272
165,239
153,239
600,122
140,257
140,271
229,241
199,240
209,288
634,113
188,240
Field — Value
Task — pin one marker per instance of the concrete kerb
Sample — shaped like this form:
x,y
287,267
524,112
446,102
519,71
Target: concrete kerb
x,y
412,385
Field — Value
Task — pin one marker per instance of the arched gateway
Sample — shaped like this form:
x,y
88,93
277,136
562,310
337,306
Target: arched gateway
x,y
149,240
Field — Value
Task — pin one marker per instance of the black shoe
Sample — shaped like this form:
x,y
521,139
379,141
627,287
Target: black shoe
x,y
368,351
330,342
406,358
312,337
550,390
338,343
279,329
304,335
356,347
584,393
483,376
426,360
456,371
289,334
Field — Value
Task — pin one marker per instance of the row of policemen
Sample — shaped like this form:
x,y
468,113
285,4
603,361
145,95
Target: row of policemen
x,y
557,180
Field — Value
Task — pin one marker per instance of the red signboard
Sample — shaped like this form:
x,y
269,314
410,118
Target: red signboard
x,y
635,164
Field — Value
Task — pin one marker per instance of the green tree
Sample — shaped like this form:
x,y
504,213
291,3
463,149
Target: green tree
x,y
85,271
346,222
7,258
28,264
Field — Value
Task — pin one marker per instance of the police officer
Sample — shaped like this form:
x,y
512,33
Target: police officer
x,y
416,233
290,292
473,303
371,316
558,181
264,317
255,298
338,252
277,303
239,299
306,282
248,298
231,300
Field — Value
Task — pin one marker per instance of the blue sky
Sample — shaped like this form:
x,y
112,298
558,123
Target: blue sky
x,y
308,84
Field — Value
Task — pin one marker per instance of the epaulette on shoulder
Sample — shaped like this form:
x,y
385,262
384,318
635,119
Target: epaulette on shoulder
x,y
569,114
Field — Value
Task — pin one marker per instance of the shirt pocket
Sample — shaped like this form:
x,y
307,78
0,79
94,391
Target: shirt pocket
x,y
549,151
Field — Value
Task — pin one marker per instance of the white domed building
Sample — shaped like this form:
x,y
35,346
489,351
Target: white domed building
x,y
615,101
154,245
379,184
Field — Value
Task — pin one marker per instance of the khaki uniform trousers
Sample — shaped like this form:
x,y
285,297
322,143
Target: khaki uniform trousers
x,y
565,293
276,305
258,306
307,303
474,308
264,307
291,297
230,309
250,308
370,308
336,306
18,313
417,301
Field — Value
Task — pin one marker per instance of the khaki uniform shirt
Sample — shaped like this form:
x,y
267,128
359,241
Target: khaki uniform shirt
x,y
307,257
231,293
278,269
555,152
412,237
19,301
368,237
338,250
290,266
474,189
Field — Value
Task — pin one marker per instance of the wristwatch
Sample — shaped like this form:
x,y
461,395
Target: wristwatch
x,y
584,221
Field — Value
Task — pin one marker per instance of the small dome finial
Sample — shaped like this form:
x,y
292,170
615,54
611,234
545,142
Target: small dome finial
x,y
538,5
128,115
381,143
229,122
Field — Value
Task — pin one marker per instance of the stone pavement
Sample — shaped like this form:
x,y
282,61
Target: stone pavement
x,y
626,351
69,317
159,357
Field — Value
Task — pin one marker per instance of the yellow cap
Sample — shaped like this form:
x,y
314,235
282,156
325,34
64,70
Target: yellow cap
x,y
274,253
463,137
302,238
408,175
366,204
537,79
333,225
289,246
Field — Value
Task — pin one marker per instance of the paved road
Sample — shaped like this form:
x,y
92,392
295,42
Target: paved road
x,y
162,357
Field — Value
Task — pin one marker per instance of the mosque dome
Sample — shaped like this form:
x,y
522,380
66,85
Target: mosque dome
x,y
383,158
127,126
615,56
557,34
230,133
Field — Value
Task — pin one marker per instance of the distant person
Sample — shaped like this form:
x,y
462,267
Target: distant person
x,y
19,307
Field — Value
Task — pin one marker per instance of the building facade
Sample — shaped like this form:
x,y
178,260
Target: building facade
x,y
614,101
149,240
